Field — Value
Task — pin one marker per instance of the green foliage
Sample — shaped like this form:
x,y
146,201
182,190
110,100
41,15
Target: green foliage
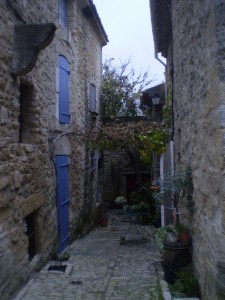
x,y
177,187
142,199
181,228
121,90
63,256
143,136
157,294
161,234
121,200
186,285
154,140
142,195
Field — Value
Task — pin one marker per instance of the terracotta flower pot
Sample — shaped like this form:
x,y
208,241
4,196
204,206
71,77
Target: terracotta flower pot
x,y
184,236
154,188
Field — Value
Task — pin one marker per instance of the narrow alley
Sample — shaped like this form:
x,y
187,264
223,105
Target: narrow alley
x,y
100,267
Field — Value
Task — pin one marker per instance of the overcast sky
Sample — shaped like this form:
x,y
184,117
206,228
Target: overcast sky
x,y
128,26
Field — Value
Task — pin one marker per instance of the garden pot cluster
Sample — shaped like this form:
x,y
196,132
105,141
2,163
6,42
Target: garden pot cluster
x,y
176,256
175,245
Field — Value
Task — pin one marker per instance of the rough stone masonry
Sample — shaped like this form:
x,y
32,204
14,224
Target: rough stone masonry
x,y
31,135
199,90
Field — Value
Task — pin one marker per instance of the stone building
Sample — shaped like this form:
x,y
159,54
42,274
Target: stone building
x,y
50,79
191,36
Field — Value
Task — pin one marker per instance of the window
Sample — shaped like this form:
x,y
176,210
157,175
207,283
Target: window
x,y
30,226
26,116
93,160
64,101
62,12
92,98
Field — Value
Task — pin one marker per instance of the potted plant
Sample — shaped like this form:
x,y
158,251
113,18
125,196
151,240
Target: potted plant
x,y
185,285
169,267
141,200
161,236
176,188
121,201
183,232
175,254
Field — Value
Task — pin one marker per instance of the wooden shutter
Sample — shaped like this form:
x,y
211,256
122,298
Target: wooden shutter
x,y
64,103
93,98
62,12
93,160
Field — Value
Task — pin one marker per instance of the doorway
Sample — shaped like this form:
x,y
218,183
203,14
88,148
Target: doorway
x,y
62,169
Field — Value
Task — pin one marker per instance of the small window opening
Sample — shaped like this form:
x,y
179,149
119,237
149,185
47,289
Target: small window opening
x,y
30,224
93,102
26,116
62,13
93,160
179,145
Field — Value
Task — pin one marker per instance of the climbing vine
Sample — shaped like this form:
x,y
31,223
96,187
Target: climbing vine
x,y
144,136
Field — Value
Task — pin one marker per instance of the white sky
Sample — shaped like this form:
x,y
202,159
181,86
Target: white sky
x,y
128,26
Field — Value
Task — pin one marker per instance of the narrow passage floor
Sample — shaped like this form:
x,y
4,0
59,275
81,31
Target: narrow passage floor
x,y
101,268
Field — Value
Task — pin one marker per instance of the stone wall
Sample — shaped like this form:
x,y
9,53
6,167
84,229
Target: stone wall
x,y
27,159
199,114
118,166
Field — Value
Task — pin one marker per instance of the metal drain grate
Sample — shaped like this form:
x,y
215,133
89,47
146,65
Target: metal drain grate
x,y
56,267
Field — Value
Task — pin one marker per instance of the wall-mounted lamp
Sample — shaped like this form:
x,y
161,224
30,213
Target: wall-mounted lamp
x,y
156,100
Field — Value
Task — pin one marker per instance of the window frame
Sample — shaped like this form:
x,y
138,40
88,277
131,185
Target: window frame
x,y
63,90
62,12
94,160
93,98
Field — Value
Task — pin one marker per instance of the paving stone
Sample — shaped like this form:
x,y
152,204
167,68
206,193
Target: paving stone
x,y
103,269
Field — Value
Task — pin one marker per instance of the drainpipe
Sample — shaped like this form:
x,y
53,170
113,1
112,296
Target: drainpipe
x,y
162,156
156,57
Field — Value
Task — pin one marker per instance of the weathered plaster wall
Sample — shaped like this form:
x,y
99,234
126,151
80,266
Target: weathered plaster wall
x,y
27,172
199,101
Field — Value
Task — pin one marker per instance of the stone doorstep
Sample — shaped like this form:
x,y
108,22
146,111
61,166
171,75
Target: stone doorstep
x,y
68,269
166,292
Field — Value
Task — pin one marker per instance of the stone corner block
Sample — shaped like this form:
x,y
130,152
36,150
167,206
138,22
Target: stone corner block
x,y
29,39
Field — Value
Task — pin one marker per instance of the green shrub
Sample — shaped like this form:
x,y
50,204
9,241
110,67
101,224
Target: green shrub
x,y
181,228
186,285
161,234
142,198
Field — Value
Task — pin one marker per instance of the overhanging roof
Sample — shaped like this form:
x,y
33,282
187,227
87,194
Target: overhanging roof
x,y
90,11
161,25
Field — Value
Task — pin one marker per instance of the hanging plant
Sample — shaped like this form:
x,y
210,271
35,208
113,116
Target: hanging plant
x,y
144,136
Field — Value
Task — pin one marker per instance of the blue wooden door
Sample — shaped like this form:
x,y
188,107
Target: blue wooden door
x,y
62,168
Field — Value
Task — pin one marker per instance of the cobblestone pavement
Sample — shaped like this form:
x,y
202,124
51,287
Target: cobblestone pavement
x,y
102,268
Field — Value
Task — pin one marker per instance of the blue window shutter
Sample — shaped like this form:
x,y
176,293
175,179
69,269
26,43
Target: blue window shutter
x,y
64,103
93,160
93,98
62,12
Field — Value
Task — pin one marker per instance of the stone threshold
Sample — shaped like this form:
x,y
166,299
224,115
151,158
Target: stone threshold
x,y
67,271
